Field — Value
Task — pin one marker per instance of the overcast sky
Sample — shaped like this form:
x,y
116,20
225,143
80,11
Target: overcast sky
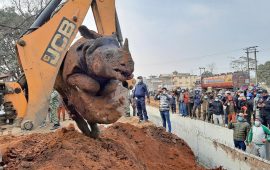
x,y
183,35
168,35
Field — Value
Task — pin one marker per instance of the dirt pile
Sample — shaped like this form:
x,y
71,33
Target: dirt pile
x,y
121,146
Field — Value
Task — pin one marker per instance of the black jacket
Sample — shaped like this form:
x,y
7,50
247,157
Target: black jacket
x,y
217,108
265,111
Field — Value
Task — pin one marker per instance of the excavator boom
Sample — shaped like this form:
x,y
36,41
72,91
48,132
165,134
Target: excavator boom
x,y
42,48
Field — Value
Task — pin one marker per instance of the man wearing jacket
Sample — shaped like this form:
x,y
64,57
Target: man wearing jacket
x,y
217,111
164,107
204,107
197,104
140,92
264,106
240,132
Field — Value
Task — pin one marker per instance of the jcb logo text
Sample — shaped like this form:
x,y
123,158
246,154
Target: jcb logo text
x,y
59,42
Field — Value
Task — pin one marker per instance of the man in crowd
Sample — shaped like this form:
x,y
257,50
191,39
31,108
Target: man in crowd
x,y
61,109
236,98
181,102
164,107
186,103
255,104
191,103
197,105
224,99
173,102
249,108
264,106
231,108
240,131
217,111
257,138
140,92
204,106
210,108
54,104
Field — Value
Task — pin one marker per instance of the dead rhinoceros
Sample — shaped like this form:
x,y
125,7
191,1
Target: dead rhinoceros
x,y
90,80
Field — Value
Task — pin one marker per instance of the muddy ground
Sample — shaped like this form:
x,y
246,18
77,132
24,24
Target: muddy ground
x,y
124,145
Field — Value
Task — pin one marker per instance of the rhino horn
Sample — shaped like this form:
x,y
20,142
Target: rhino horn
x,y
125,46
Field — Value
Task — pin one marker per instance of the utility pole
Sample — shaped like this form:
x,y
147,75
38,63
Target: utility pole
x,y
247,51
256,65
201,68
250,50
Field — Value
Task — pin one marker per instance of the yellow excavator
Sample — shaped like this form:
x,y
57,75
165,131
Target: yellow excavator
x,y
54,30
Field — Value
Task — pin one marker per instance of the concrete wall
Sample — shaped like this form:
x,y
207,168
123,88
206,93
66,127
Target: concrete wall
x,y
211,144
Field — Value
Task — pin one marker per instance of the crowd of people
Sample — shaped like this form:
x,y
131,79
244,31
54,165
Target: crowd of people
x,y
247,112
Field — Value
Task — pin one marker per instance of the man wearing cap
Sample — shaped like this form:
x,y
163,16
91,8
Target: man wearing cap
x,y
257,138
164,107
240,132
264,106
140,92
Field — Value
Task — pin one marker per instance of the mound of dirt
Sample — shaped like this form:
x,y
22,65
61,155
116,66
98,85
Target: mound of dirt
x,y
121,146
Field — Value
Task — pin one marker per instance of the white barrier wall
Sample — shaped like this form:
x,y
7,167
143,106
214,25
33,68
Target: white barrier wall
x,y
211,144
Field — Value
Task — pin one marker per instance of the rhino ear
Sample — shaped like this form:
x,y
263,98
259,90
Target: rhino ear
x,y
125,46
88,34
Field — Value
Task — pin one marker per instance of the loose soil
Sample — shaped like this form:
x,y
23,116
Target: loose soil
x,y
122,146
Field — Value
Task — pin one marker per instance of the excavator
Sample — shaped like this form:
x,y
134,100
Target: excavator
x,y
41,51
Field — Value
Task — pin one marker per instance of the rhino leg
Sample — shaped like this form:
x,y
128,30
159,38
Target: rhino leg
x,y
92,132
110,87
84,83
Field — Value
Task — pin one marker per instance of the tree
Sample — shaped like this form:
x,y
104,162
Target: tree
x,y
175,72
14,21
264,73
211,67
207,74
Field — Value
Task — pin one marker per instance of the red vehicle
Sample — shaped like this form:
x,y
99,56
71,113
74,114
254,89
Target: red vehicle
x,y
226,81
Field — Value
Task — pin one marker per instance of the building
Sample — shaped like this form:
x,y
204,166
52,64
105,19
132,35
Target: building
x,y
167,81
184,80
153,83
171,81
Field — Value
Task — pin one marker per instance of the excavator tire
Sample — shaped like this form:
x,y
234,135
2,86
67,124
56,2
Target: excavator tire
x,y
22,81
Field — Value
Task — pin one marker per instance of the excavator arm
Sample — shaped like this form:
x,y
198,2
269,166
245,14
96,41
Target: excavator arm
x,y
42,48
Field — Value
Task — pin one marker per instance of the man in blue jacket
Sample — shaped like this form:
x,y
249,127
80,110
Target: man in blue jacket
x,y
140,92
